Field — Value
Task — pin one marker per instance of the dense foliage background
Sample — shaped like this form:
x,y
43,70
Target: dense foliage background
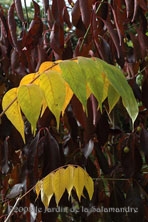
x,y
113,152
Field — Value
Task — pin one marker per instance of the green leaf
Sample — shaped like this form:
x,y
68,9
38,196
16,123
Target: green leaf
x,y
54,90
30,98
120,84
75,77
96,80
113,97
13,112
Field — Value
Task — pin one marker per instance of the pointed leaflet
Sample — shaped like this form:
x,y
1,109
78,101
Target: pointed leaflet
x,y
47,189
69,177
13,113
79,181
96,80
113,97
89,185
120,84
38,187
75,77
58,184
53,86
30,99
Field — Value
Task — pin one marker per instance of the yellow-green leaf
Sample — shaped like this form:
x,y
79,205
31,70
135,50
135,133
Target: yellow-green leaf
x,y
54,90
13,112
58,184
30,99
75,77
120,84
113,97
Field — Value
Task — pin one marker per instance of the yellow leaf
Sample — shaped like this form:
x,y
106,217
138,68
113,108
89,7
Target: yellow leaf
x,y
13,112
30,98
54,90
69,94
69,178
79,181
45,66
89,185
58,184
38,187
30,78
47,190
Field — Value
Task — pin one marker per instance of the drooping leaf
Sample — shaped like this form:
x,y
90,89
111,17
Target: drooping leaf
x,y
30,98
47,189
56,182
13,112
76,78
54,90
113,97
79,181
115,76
59,184
95,78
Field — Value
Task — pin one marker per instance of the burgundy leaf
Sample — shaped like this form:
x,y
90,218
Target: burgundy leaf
x,y
85,10
145,92
50,17
88,148
57,40
19,10
131,159
135,9
36,8
129,8
144,142
57,10
101,159
66,17
76,14
134,201
46,5
12,26
5,165
34,33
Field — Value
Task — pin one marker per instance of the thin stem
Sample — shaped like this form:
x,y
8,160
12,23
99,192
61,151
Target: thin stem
x,y
13,208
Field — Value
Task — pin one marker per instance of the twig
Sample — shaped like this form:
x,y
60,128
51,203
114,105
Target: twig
x,y
13,208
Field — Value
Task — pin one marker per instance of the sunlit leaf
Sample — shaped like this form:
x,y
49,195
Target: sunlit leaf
x,y
45,66
13,112
69,177
54,90
120,84
30,98
95,78
79,181
58,184
30,78
47,189
76,78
